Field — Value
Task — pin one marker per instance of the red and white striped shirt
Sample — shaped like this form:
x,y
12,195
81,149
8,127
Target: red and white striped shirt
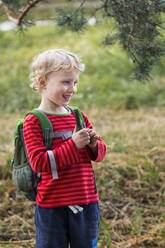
x,y
75,183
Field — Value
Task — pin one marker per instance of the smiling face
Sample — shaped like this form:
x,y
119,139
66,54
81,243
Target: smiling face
x,y
59,87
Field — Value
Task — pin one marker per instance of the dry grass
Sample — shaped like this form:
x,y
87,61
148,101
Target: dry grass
x,y
130,182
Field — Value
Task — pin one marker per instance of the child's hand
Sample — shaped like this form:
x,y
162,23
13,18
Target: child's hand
x,y
81,138
93,138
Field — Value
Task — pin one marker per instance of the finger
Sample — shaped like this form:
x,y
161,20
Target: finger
x,y
93,133
84,131
94,138
76,130
86,140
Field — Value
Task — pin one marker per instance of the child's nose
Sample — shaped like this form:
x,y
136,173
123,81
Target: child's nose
x,y
72,88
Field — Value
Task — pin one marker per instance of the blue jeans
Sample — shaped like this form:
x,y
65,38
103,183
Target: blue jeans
x,y
59,227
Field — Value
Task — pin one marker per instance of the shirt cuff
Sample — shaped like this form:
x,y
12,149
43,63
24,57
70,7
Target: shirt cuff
x,y
101,150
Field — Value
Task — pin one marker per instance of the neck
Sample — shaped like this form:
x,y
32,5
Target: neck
x,y
50,107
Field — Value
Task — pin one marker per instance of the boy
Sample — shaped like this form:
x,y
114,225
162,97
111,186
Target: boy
x,y
67,202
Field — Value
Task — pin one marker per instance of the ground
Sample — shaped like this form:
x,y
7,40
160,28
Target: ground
x,y
130,181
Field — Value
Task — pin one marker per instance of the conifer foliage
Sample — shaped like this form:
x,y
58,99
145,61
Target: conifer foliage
x,y
138,25
138,29
71,18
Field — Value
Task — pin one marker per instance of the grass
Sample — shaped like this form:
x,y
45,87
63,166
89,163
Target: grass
x,y
130,181
107,80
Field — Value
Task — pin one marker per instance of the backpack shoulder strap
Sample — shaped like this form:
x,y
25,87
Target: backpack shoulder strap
x,y
48,135
19,125
46,126
80,122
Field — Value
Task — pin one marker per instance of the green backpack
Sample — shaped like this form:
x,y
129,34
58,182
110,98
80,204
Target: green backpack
x,y
23,176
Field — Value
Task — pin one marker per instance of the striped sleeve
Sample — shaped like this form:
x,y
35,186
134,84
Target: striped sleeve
x,y
65,155
101,147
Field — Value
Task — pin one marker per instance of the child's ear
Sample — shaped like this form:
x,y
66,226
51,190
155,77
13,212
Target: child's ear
x,y
41,83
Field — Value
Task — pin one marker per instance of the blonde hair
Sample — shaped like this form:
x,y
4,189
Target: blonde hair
x,y
53,60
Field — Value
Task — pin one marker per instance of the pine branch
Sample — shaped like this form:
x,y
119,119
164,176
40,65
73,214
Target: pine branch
x,y
77,9
31,4
137,25
7,12
20,18
73,18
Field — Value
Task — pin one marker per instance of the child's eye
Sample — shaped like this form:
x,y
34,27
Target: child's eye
x,y
68,82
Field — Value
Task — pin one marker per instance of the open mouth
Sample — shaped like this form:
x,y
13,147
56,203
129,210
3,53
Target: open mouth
x,y
67,98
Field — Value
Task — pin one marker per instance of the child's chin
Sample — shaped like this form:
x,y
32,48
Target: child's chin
x,y
65,104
